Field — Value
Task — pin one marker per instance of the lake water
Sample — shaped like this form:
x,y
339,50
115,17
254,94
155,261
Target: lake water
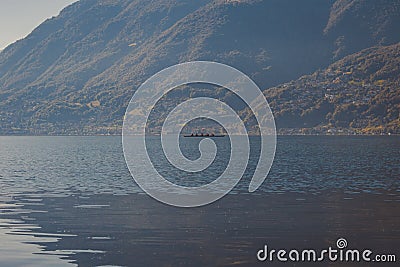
x,y
68,201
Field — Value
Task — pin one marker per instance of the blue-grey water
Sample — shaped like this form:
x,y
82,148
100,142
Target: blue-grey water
x,y
71,201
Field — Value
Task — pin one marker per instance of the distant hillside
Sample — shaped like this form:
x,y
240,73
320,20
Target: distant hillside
x,y
358,94
76,72
359,24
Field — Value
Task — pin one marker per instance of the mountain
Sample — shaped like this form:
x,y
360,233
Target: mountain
x,y
76,72
359,24
358,94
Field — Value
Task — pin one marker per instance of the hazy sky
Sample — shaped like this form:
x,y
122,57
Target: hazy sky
x,y
19,17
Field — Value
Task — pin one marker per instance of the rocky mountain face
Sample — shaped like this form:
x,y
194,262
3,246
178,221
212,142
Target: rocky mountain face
x,y
76,72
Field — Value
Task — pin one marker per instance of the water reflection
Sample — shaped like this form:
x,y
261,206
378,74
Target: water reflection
x,y
72,202
135,230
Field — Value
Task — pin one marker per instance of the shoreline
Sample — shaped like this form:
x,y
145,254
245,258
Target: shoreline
x,y
116,135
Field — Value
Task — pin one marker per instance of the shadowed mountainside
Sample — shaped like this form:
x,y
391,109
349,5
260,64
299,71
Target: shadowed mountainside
x,y
359,93
76,72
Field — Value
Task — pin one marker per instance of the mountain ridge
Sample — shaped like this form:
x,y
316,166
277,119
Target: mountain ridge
x,y
78,70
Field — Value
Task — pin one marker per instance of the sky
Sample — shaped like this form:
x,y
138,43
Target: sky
x,y
19,17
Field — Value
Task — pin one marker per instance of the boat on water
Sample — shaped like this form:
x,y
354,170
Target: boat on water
x,y
203,135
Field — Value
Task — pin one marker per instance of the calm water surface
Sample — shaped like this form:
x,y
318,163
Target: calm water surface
x,y
68,201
